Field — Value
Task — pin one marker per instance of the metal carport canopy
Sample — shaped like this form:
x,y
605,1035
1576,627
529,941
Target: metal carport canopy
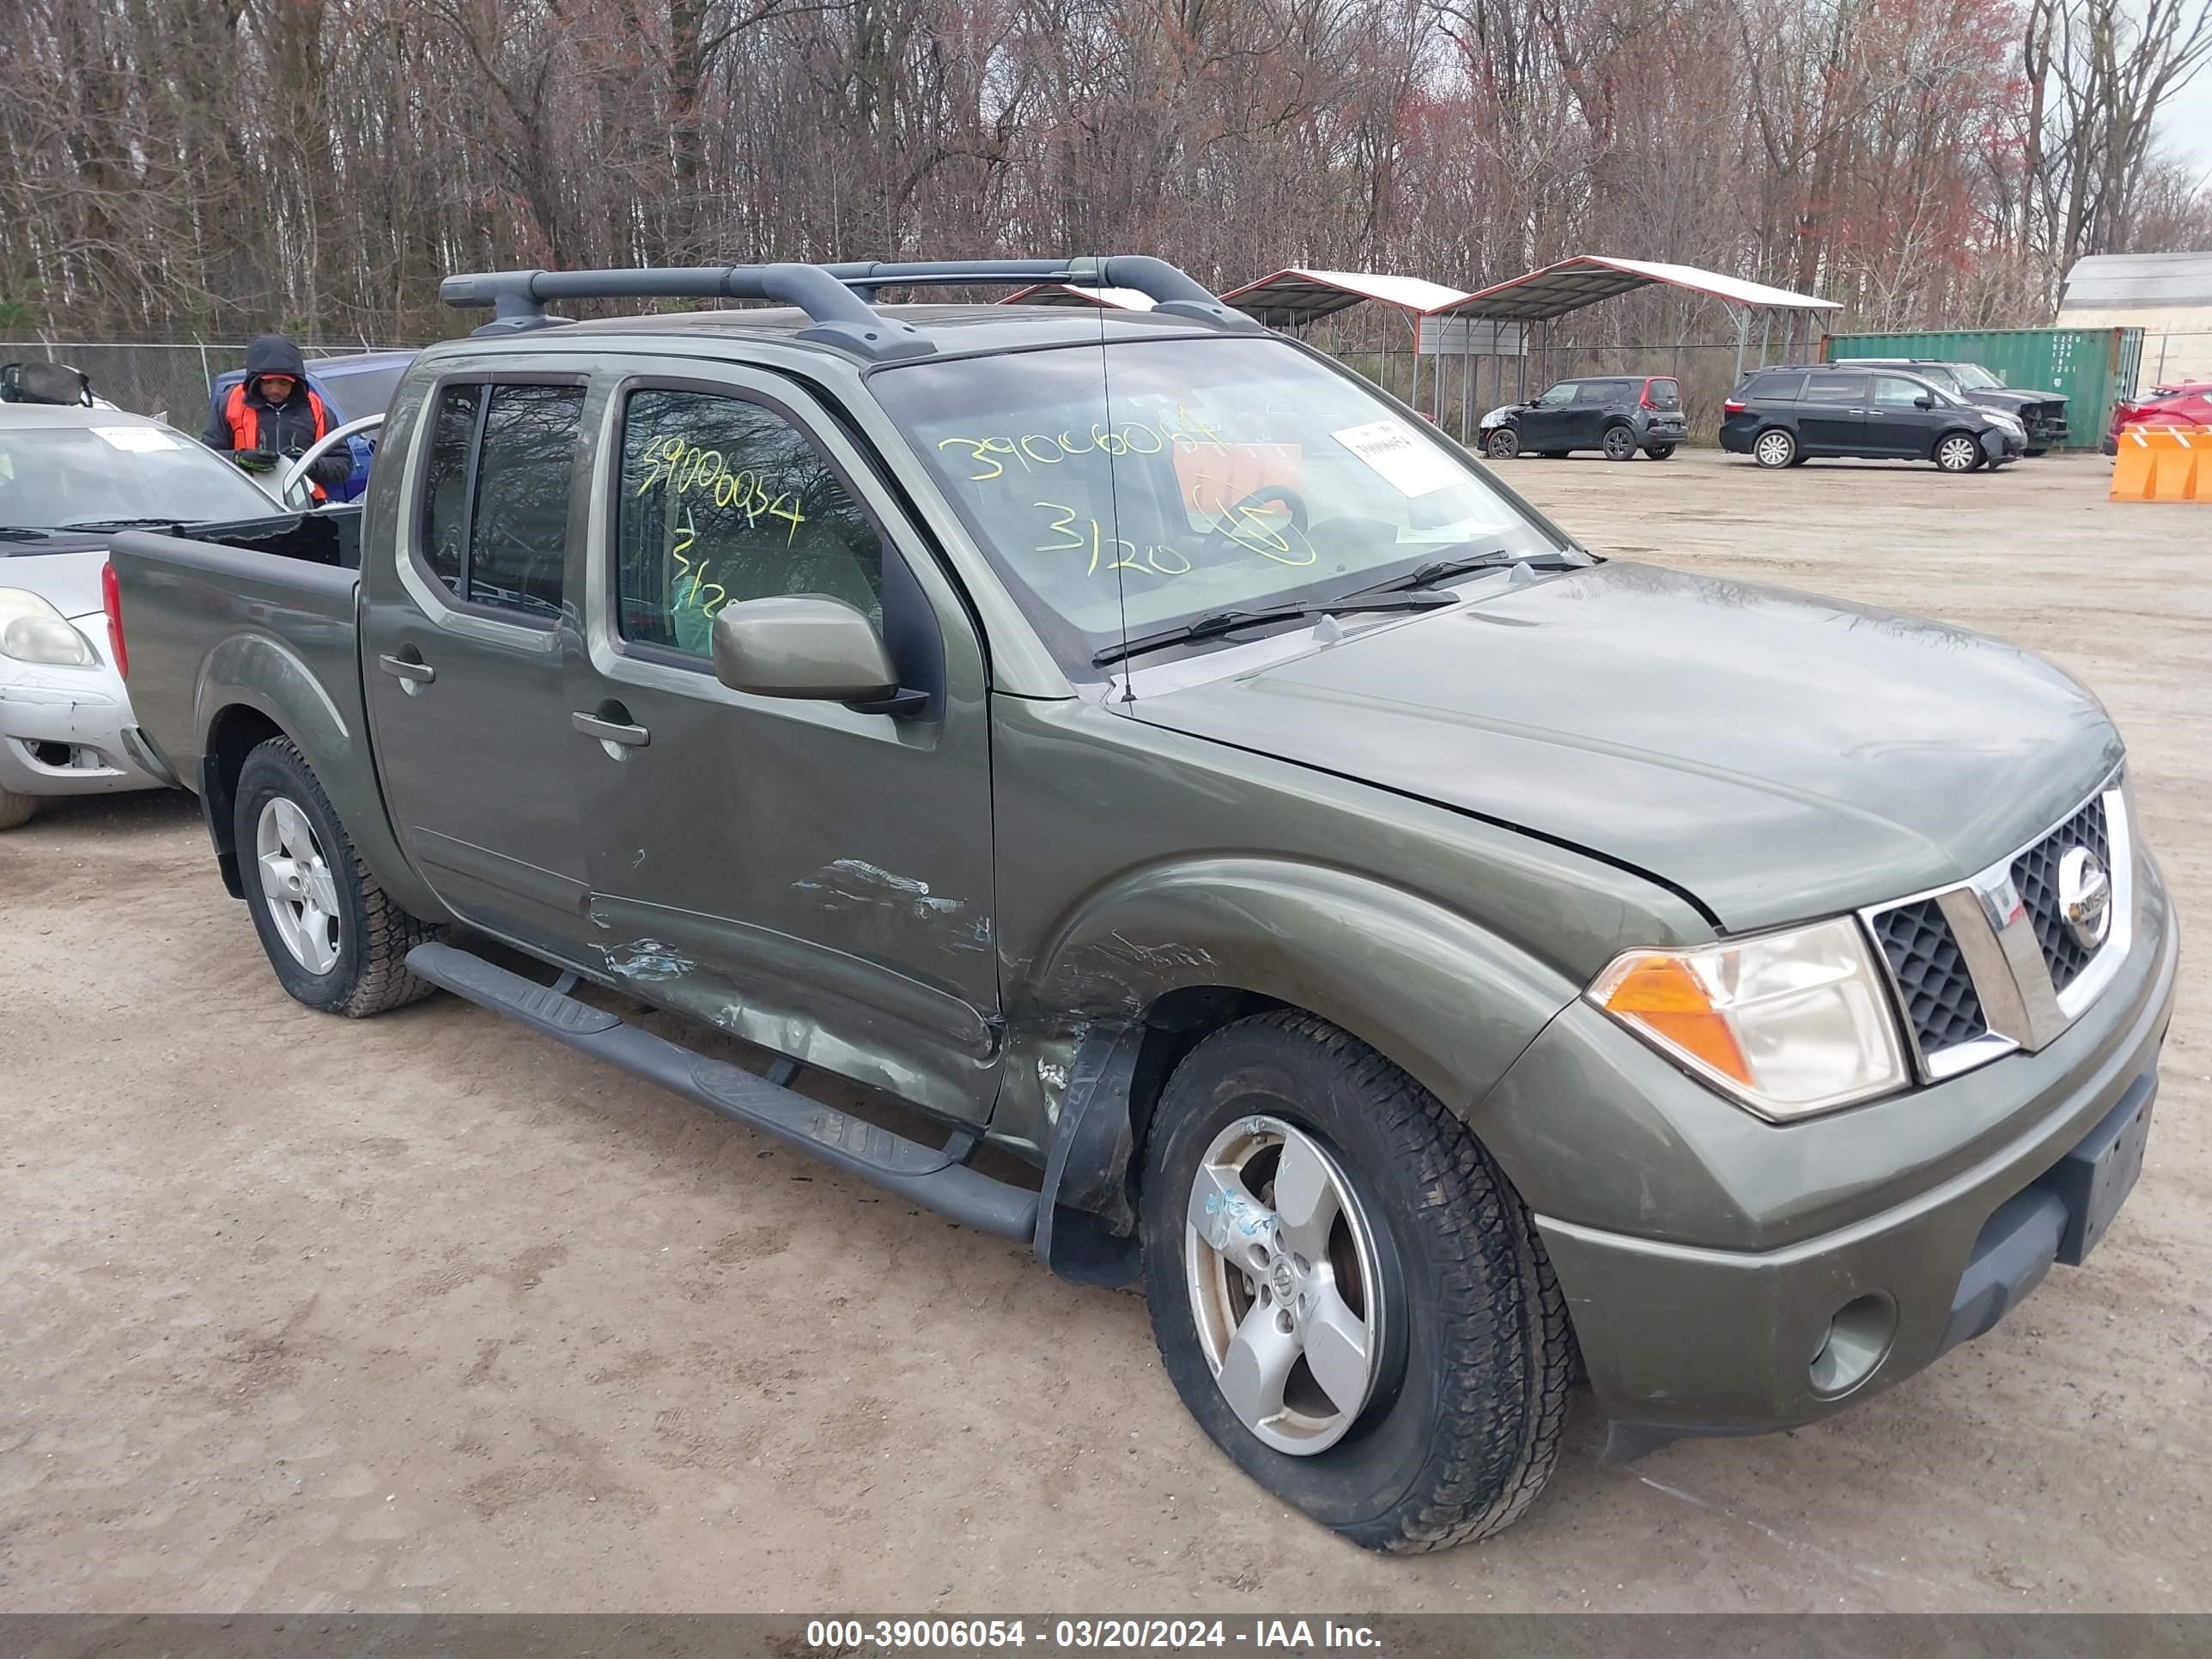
x,y
1298,296
1569,285
1067,294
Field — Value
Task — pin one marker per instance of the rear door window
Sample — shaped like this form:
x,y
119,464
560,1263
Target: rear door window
x,y
1835,388
495,509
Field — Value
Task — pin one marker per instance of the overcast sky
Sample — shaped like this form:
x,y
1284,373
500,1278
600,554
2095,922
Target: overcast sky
x,y
2187,123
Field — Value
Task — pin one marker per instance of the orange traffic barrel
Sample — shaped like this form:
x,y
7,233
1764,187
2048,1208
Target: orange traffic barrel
x,y
2163,464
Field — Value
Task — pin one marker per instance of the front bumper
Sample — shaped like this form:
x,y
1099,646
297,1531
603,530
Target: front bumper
x,y
1905,1207
62,732
1999,446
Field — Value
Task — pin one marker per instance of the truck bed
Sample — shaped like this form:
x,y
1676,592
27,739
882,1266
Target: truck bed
x,y
264,606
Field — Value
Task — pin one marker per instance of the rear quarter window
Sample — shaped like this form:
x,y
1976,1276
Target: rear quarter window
x,y
1781,388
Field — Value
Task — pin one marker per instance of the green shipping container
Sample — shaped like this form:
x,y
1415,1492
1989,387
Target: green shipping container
x,y
2091,368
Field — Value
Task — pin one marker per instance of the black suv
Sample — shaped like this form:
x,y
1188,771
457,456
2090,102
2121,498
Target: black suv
x,y
1784,417
2042,414
1616,416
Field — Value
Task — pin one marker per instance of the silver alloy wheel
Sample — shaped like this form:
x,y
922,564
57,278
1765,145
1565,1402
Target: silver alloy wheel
x,y
296,879
1774,448
1957,453
1280,1261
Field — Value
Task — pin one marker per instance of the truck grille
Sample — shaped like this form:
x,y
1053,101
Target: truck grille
x,y
1932,981
2045,422
1989,965
2035,873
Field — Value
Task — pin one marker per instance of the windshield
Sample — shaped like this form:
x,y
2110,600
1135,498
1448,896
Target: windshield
x,y
54,476
1975,378
1233,473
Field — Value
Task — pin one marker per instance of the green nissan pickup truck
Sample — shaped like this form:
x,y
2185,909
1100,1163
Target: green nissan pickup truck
x,y
1442,965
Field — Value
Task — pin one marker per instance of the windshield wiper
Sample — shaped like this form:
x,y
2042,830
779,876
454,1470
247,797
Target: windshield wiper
x,y
1230,622
114,524
1443,570
22,533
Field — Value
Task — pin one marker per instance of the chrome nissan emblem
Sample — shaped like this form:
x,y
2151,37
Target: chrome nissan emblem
x,y
2085,897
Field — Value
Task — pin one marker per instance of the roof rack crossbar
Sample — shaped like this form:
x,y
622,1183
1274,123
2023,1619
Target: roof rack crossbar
x,y
835,297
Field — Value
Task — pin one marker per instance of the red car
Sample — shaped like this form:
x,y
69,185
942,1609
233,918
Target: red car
x,y
2188,403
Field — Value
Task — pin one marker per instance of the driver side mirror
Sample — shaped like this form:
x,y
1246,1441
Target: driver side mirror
x,y
1923,401
809,647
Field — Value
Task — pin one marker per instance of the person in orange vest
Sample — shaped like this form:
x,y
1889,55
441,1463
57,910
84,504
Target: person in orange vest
x,y
273,414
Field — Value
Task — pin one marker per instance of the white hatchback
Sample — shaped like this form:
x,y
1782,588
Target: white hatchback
x,y
68,477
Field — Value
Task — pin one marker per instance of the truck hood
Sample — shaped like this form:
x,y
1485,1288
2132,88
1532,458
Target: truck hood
x,y
1774,755
2012,398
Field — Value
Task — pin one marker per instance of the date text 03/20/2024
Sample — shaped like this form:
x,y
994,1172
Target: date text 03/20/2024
x,y
848,1635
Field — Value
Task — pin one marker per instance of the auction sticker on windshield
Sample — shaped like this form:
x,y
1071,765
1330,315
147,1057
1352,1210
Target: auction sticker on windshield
x,y
140,439
1412,465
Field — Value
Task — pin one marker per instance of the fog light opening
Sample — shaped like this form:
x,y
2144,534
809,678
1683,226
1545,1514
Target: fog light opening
x,y
1857,1339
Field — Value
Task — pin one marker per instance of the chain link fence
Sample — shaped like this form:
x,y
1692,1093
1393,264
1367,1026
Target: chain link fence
x,y
166,379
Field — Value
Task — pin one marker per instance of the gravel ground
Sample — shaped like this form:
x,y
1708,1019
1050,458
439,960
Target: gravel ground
x,y
426,1312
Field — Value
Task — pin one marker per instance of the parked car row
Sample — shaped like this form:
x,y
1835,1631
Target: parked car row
x,y
1958,415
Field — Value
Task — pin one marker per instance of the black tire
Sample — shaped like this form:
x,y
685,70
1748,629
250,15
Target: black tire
x,y
1503,445
373,933
1461,1428
1619,443
1659,452
1775,447
1952,445
16,809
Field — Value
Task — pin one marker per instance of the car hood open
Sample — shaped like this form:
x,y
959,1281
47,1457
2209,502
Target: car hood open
x,y
1774,755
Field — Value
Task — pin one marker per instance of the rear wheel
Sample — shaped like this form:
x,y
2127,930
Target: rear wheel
x,y
1659,452
335,938
1503,444
1774,448
1345,1291
16,809
1958,452
1619,444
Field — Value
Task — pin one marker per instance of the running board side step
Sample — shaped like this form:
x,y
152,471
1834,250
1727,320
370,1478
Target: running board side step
x,y
932,1177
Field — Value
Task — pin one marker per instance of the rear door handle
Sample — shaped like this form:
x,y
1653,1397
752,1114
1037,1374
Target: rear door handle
x,y
630,737
400,668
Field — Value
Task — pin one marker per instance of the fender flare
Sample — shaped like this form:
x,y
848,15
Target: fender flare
x,y
1449,1000
260,672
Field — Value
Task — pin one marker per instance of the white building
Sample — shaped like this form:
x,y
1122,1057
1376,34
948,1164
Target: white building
x,y
2167,295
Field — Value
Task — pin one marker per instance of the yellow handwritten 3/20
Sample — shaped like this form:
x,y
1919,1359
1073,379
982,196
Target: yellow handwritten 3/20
x,y
1244,525
689,470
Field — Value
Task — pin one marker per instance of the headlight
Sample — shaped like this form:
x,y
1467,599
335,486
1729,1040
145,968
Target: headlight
x,y
1997,417
31,630
1786,1024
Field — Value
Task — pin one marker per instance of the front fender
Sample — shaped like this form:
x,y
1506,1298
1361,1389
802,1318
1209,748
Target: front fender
x,y
1439,994
263,673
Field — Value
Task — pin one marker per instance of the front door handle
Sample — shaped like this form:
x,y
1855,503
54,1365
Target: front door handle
x,y
614,731
415,671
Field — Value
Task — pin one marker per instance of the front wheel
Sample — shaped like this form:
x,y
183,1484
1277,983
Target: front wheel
x,y
1659,452
1345,1291
1774,448
1503,444
1619,444
1958,452
337,940
16,809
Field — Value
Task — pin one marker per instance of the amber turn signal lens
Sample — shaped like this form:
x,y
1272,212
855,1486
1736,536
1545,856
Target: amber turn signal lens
x,y
1665,995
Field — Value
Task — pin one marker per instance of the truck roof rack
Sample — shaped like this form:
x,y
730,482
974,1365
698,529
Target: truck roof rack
x,y
837,297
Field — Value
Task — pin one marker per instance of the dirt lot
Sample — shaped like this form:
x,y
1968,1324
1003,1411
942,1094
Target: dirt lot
x,y
425,1312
